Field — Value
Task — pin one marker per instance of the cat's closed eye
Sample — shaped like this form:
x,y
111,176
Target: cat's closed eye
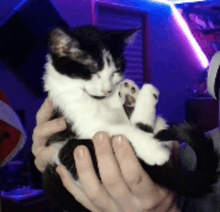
x,y
115,72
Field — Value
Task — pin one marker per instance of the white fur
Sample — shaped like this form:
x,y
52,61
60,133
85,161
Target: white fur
x,y
58,146
90,115
160,124
145,108
127,91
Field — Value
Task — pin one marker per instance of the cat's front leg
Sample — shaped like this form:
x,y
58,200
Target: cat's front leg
x,y
144,114
128,93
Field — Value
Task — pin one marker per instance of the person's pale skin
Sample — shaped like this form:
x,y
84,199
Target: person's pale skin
x,y
125,187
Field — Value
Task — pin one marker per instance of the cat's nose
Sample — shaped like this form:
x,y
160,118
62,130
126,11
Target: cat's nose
x,y
106,92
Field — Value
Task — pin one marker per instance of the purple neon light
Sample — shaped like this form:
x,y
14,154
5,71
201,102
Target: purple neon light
x,y
181,22
185,29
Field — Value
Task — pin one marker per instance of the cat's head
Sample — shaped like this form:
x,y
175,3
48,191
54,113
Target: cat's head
x,y
92,57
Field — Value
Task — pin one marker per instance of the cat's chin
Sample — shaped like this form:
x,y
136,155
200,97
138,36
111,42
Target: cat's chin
x,y
95,97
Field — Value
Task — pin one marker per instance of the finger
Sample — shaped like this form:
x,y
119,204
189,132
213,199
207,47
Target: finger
x,y
110,171
89,180
45,112
44,156
42,132
136,178
78,193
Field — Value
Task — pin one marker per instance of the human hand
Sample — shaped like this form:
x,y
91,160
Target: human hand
x,y
125,185
44,129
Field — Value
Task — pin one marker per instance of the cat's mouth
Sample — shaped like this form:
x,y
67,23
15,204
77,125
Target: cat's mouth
x,y
95,97
98,97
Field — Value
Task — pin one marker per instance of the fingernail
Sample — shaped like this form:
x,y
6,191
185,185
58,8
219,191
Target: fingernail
x,y
99,139
80,152
119,140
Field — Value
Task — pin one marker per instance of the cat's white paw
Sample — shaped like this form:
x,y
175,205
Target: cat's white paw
x,y
128,93
157,157
162,156
149,94
145,108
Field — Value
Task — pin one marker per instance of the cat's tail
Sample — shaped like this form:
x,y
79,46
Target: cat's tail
x,y
198,182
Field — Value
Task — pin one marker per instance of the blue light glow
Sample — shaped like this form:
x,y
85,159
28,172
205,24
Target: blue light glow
x,y
184,1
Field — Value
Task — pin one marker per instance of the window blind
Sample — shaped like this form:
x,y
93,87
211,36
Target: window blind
x,y
110,18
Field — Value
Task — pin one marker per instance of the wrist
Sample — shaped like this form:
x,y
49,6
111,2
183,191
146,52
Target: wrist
x,y
173,207
169,204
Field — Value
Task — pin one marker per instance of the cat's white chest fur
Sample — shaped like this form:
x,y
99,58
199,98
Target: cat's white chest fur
x,y
91,115
87,115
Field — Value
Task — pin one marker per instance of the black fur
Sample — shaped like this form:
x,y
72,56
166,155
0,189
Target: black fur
x,y
129,110
155,96
90,41
198,182
52,182
57,193
145,127
61,136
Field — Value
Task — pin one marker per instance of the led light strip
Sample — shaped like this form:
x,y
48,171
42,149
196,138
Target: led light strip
x,y
185,1
185,29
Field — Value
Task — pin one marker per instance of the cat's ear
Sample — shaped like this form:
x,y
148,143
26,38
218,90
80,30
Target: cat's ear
x,y
122,37
61,43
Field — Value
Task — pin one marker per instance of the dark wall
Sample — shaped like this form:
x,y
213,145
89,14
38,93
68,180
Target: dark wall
x,y
23,41
23,47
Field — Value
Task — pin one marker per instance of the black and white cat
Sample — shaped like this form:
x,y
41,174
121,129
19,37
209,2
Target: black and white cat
x,y
84,73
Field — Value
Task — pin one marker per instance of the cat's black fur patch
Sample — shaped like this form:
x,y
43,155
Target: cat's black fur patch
x,y
61,136
155,96
52,182
108,60
128,110
127,100
145,127
198,182
58,194
66,155
91,41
